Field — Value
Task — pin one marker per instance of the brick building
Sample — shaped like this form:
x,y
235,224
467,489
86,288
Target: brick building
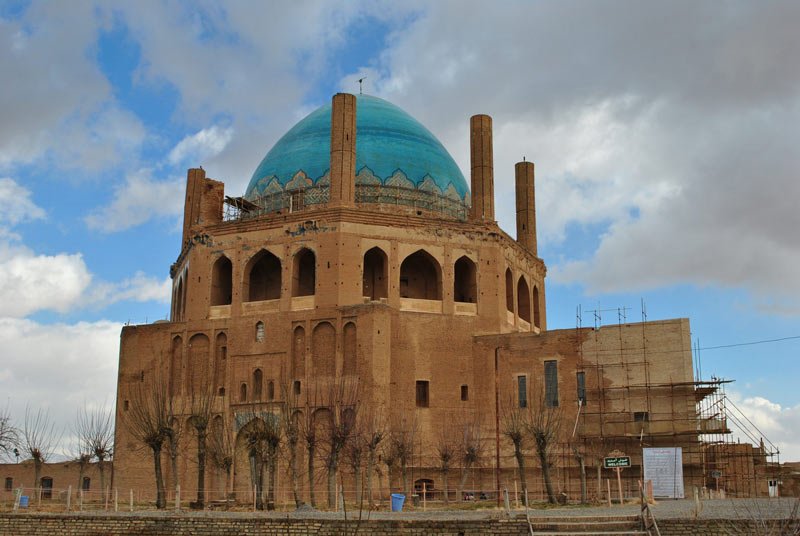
x,y
359,255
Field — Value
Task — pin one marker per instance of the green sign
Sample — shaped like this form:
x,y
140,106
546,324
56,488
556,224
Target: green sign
x,y
617,461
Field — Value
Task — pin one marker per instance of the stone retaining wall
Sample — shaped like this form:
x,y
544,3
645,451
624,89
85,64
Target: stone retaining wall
x,y
24,524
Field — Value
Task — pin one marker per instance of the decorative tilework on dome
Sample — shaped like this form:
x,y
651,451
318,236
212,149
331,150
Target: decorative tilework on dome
x,y
392,148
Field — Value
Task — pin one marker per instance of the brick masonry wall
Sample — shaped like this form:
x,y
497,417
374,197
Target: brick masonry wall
x,y
197,525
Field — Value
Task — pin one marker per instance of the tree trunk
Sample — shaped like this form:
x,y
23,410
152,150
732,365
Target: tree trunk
x,y
332,480
521,467
599,478
548,485
582,462
311,495
201,468
445,473
102,473
81,470
370,470
404,473
37,475
357,479
173,455
161,500
273,465
298,502
464,476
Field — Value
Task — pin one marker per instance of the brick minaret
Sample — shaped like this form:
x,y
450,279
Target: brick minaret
x,y
482,168
343,150
526,205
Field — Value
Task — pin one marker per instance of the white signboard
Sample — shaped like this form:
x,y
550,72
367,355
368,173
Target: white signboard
x,y
664,466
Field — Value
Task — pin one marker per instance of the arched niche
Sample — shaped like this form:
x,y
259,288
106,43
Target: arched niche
x,y
536,316
421,277
262,277
465,281
304,268
258,384
198,363
222,281
374,283
299,352
509,290
220,359
349,349
176,367
523,299
323,349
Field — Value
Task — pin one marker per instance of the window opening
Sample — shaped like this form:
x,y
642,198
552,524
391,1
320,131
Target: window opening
x,y
581,378
259,331
522,391
422,394
551,384
464,393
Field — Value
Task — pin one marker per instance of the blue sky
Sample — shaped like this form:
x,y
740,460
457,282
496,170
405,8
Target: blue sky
x,y
666,158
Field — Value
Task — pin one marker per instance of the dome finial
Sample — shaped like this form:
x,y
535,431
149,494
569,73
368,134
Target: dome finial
x,y
360,80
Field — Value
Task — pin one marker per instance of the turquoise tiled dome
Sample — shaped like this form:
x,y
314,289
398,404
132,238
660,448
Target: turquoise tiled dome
x,y
388,141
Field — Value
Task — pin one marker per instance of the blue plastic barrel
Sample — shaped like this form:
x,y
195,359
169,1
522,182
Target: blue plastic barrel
x,y
23,501
397,502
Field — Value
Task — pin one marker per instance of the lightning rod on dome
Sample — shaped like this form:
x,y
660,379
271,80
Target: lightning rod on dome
x,y
360,80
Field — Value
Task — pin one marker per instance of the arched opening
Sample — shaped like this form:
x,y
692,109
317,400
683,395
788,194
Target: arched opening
x,y
465,284
175,376
198,363
271,390
243,393
304,273
260,331
420,277
179,302
220,445
262,277
299,352
323,349
375,281
258,381
222,281
523,299
349,350
536,319
220,359
509,290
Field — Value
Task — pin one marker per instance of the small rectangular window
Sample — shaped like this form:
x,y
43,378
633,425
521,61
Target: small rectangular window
x,y
641,416
87,483
296,386
9,483
464,393
522,391
551,384
581,377
422,394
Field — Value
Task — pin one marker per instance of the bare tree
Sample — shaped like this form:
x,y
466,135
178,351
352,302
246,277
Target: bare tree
x,y
400,448
221,448
545,425
148,420
374,432
201,410
308,431
515,427
95,431
39,439
471,448
342,407
292,427
9,435
173,432
262,435
447,449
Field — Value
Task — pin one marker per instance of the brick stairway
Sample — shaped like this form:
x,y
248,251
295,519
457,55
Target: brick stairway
x,y
588,525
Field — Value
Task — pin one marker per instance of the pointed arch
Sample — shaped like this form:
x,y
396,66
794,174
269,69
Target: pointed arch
x,y
509,290
243,392
349,349
176,367
299,352
465,281
258,383
375,279
198,363
220,359
536,316
304,273
421,277
179,301
323,349
222,281
262,277
523,299
260,332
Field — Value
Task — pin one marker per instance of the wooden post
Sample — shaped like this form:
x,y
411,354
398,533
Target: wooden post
x,y
116,500
516,495
608,492
255,493
424,494
80,500
619,483
131,500
69,497
107,494
178,497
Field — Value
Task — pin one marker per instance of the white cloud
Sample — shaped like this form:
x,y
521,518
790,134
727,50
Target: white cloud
x,y
780,425
58,367
206,143
17,204
139,199
139,288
